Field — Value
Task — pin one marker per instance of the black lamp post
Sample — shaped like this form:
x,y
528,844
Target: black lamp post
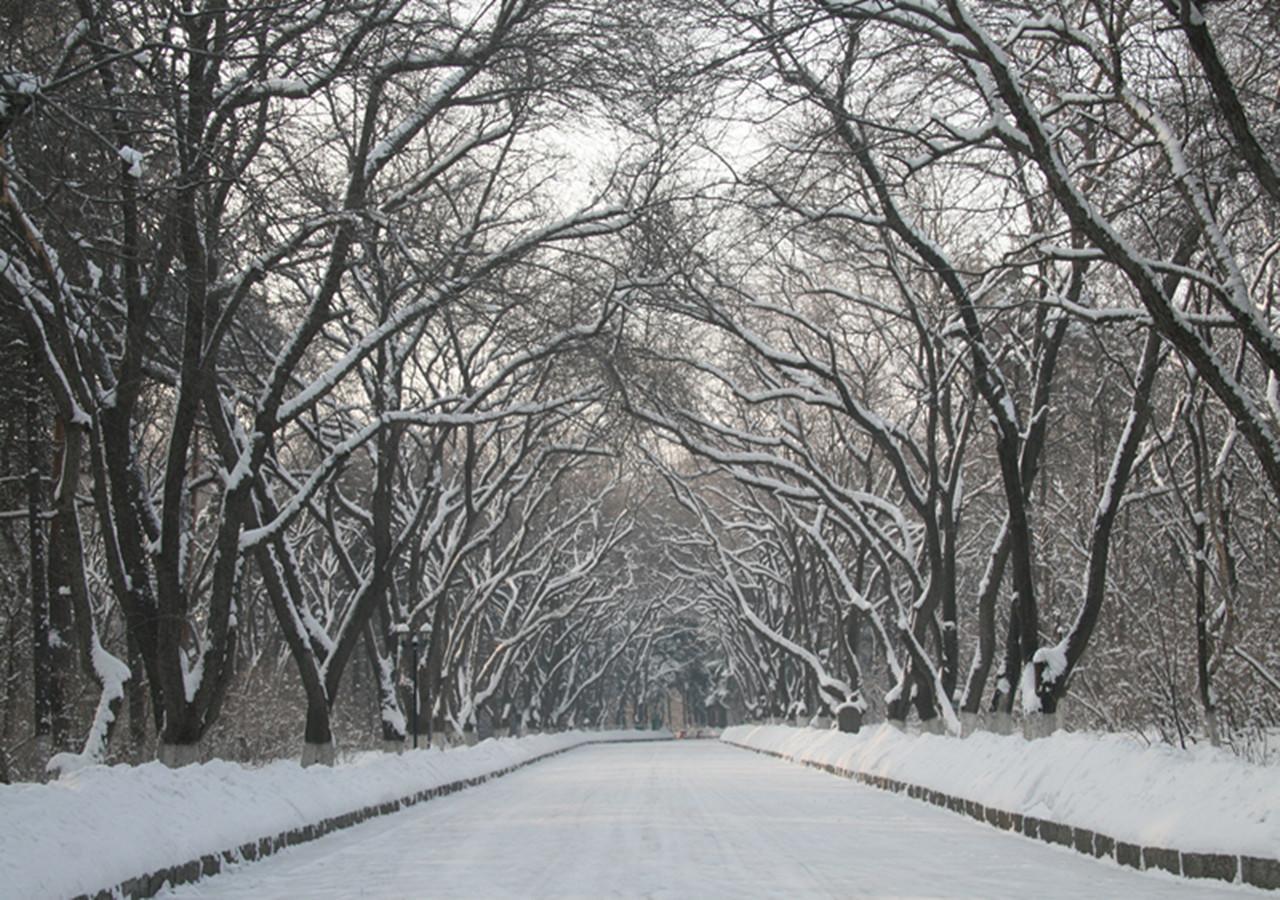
x,y
403,631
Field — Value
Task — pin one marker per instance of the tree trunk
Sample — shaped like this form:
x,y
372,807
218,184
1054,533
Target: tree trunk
x,y
1007,685
384,682
318,748
52,631
136,697
985,654
849,719
176,755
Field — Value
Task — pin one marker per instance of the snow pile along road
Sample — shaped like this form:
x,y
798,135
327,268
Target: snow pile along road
x,y
105,824
1201,800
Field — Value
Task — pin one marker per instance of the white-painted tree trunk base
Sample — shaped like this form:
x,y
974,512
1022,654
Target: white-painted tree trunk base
x,y
1000,723
933,726
319,754
1038,725
393,746
42,749
1211,724
969,723
175,756
822,723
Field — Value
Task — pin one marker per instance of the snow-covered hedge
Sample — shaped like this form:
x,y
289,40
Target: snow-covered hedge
x,y
104,825
1201,800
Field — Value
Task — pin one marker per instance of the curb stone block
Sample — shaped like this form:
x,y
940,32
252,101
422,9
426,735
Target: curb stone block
x,y
1084,841
1210,865
1161,858
1031,827
1054,833
1259,872
1103,846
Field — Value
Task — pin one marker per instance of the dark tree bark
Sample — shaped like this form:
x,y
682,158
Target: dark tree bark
x,y
53,636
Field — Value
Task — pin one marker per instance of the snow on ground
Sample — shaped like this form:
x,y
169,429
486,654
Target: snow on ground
x,y
684,819
1201,800
104,824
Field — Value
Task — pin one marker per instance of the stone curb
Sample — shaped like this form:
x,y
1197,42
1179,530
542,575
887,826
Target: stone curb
x,y
1236,869
152,883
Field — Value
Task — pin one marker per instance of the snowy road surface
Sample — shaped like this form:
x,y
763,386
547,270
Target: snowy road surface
x,y
683,819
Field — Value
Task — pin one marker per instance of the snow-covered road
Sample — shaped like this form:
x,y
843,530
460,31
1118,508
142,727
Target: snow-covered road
x,y
683,819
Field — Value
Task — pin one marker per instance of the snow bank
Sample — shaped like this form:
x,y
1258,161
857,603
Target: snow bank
x,y
103,825
1201,800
